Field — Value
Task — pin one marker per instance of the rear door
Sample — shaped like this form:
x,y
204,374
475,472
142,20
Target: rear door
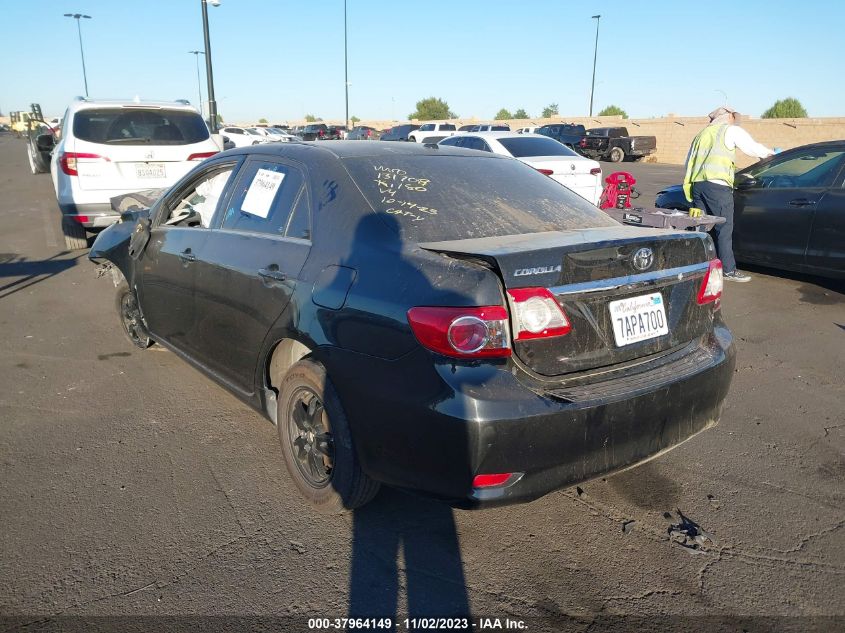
x,y
826,250
248,266
774,216
137,147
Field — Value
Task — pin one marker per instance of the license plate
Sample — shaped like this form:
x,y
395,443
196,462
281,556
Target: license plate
x,y
150,170
638,319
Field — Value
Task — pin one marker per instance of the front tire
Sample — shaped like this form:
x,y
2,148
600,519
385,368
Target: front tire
x,y
130,317
76,238
617,155
317,443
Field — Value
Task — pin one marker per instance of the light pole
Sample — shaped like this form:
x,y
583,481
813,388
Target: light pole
x,y
197,54
597,18
345,66
212,104
724,94
77,17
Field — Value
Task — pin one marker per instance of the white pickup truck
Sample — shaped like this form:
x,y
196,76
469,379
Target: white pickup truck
x,y
432,132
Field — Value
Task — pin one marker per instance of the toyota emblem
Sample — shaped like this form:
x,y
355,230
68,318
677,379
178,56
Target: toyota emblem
x,y
643,259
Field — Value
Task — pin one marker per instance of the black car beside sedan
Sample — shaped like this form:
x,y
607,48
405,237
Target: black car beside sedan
x,y
789,210
435,319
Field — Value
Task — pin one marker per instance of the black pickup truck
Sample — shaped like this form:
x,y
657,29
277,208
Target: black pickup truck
x,y
569,134
614,144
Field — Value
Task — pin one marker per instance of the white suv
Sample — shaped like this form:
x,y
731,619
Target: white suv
x,y
108,148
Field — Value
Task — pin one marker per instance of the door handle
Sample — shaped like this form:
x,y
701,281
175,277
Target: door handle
x,y
187,256
272,273
801,202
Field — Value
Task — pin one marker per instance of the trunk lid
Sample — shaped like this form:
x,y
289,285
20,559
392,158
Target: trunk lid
x,y
594,276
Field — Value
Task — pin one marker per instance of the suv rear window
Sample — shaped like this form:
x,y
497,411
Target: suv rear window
x,y
139,126
537,146
437,198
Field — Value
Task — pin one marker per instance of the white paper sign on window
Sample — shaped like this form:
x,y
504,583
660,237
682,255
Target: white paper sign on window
x,y
259,197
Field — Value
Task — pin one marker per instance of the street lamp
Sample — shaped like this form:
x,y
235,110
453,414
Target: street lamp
x,y
724,94
197,54
212,104
345,65
597,18
77,17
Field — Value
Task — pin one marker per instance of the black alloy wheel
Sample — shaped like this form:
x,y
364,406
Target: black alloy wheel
x,y
311,442
317,444
131,319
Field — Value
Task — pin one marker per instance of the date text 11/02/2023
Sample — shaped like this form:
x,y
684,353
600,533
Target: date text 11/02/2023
x,y
415,624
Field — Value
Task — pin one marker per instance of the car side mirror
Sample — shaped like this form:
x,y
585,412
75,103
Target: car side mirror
x,y
45,142
747,182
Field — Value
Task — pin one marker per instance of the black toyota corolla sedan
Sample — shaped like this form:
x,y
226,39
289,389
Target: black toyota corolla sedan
x,y
436,319
789,210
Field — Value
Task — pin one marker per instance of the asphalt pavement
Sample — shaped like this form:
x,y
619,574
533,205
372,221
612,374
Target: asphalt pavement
x,y
133,486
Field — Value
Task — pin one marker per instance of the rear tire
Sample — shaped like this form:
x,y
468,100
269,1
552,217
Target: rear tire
x,y
130,317
617,155
76,238
317,443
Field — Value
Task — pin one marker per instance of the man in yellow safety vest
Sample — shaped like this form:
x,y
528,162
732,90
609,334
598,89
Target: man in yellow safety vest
x,y
709,179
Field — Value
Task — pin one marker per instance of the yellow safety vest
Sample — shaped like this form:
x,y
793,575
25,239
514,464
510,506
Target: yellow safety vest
x,y
709,158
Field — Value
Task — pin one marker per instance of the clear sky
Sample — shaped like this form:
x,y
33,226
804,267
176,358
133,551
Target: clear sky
x,y
281,59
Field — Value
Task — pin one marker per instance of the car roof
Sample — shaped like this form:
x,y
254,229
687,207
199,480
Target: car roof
x,y
504,134
305,150
85,104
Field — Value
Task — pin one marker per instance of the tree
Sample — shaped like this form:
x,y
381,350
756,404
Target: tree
x,y
520,114
219,119
789,108
613,110
432,108
310,118
550,111
262,120
354,119
503,114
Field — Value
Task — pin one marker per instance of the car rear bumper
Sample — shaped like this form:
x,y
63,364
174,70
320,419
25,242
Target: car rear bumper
x,y
433,432
90,215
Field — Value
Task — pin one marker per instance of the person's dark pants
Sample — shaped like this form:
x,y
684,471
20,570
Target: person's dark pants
x,y
718,200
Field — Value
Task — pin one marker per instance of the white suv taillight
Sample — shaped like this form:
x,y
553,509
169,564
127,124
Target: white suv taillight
x,y
711,285
68,161
474,332
536,314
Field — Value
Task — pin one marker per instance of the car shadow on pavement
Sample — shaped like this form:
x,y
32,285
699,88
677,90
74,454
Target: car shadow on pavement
x,y
814,290
31,272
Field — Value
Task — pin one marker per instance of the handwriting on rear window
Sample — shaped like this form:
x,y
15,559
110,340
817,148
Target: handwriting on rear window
x,y
392,180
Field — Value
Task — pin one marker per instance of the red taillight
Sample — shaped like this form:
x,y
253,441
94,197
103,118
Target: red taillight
x,y
546,172
536,314
582,143
201,155
491,481
320,132
462,332
595,171
68,161
711,285
82,219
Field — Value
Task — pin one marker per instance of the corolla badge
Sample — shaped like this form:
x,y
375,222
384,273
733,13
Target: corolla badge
x,y
539,270
149,155
643,259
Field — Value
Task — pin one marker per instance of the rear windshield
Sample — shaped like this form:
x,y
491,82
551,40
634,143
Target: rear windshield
x,y
139,126
535,146
438,198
